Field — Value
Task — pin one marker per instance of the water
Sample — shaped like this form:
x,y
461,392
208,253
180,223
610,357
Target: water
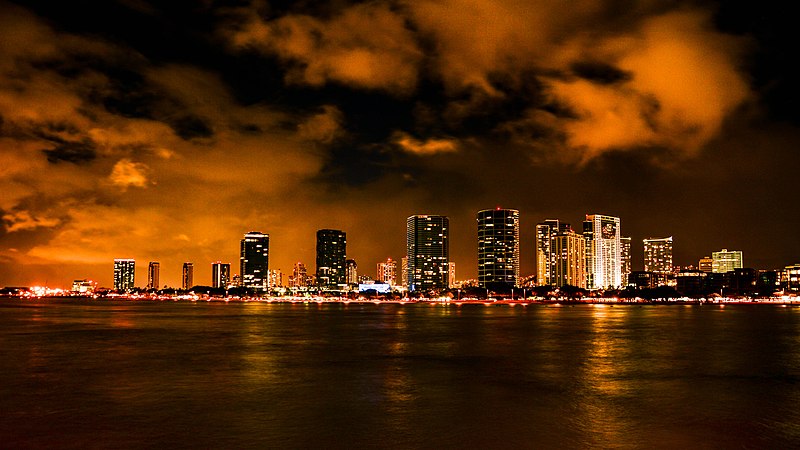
x,y
101,374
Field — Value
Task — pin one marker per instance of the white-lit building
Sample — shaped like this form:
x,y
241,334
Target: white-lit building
x,y
603,251
726,260
658,255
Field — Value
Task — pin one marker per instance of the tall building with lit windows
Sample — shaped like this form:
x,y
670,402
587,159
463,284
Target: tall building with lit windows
x,y
726,260
498,248
625,258
568,266
254,260
299,277
220,275
428,252
545,257
153,275
124,274
331,258
387,272
603,251
187,277
404,272
351,271
658,255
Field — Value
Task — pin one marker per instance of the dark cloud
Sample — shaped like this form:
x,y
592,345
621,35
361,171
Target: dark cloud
x,y
191,127
599,72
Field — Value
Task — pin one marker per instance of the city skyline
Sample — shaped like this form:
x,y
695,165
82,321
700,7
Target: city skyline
x,y
169,145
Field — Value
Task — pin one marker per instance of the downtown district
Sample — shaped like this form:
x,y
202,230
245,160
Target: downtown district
x,y
592,263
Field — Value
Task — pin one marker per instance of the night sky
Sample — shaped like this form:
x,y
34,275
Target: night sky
x,y
166,130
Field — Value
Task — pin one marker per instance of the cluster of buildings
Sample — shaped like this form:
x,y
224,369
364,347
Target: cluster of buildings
x,y
597,257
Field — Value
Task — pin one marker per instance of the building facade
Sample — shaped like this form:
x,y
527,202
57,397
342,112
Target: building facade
x,y
254,260
706,264
331,257
351,272
658,255
625,258
498,248
568,266
603,251
153,275
187,276
387,272
220,275
124,274
299,276
726,260
428,252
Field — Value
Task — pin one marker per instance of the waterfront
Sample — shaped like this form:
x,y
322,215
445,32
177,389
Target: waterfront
x,y
99,374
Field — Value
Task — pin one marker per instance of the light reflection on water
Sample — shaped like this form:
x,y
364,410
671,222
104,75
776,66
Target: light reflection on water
x,y
131,375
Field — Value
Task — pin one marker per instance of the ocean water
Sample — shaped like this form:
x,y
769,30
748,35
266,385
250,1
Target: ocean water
x,y
104,374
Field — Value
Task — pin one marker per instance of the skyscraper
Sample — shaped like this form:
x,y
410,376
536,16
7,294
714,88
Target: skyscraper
x,y
275,278
498,248
254,260
428,252
188,276
220,275
124,274
451,273
545,257
153,270
625,259
658,255
351,271
568,265
387,272
404,271
331,257
299,275
603,251
725,261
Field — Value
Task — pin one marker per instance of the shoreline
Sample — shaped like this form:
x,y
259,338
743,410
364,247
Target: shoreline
x,y
775,301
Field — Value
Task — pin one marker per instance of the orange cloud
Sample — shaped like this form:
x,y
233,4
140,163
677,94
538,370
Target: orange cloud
x,y
366,45
427,147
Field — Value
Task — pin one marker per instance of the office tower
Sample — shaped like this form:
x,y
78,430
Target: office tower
x,y
331,257
188,276
725,261
791,278
568,266
153,270
220,275
451,272
706,264
603,251
428,252
387,272
299,275
275,278
658,255
625,258
124,274
545,232
404,271
351,271
498,248
254,260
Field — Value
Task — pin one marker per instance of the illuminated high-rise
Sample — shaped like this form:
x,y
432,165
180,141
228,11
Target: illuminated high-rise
x,y
625,258
726,260
603,251
254,260
275,278
658,255
498,248
428,252
299,276
187,276
387,272
124,274
404,271
351,271
568,266
452,275
331,257
153,275
220,275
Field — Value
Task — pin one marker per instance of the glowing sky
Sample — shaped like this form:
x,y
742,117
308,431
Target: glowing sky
x,y
166,131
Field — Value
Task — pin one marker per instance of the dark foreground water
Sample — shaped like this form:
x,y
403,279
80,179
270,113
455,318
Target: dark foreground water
x,y
100,374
